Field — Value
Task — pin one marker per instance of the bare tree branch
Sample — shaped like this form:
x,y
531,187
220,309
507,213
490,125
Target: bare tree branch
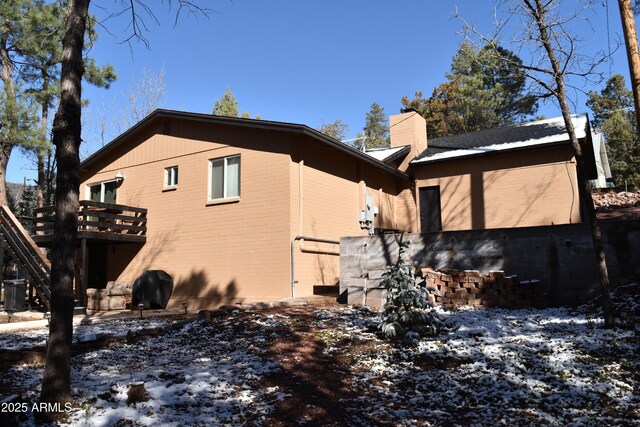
x,y
556,56
139,13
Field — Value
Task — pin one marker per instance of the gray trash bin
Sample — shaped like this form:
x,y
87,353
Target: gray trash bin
x,y
15,293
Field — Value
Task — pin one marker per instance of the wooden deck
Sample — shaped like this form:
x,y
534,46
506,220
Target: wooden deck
x,y
97,222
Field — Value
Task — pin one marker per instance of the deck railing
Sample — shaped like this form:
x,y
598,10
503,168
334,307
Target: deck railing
x,y
97,217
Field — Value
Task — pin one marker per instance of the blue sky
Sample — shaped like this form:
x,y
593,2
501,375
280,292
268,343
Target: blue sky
x,y
298,61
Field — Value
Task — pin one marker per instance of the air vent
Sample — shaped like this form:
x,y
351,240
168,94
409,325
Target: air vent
x,y
166,127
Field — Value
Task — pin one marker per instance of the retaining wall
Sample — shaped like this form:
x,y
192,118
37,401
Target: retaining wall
x,y
560,257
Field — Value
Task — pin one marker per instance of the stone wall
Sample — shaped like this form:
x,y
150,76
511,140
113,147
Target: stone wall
x,y
116,296
559,257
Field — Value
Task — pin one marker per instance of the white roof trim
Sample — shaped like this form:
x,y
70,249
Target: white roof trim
x,y
579,123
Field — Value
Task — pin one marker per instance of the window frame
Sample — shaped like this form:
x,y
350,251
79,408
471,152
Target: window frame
x,y
225,163
171,177
87,194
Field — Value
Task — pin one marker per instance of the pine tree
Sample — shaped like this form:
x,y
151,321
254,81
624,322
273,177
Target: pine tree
x,y
38,48
336,130
406,311
376,129
484,89
17,118
26,205
226,106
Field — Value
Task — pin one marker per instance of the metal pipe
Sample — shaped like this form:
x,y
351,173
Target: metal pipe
x,y
293,246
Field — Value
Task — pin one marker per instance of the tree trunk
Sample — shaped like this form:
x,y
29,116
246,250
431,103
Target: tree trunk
x,y
633,55
41,178
50,176
10,119
56,382
5,153
42,150
583,184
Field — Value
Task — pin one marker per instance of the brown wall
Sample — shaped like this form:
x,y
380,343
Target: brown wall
x,y
507,190
332,187
219,253
216,253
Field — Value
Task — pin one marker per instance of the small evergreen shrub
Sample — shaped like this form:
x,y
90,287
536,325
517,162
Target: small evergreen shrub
x,y
407,312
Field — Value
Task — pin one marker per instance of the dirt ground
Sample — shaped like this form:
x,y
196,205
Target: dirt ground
x,y
315,381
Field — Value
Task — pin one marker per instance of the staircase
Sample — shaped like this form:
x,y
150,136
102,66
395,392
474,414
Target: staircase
x,y
28,254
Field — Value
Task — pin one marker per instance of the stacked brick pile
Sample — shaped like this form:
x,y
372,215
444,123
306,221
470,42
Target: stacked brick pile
x,y
453,288
116,296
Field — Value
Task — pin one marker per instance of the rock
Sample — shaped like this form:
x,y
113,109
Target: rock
x,y
136,393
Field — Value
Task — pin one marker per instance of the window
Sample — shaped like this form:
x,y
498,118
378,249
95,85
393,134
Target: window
x,y
103,192
224,178
171,176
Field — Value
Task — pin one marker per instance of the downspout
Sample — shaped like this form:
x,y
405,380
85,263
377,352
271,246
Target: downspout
x,y
293,246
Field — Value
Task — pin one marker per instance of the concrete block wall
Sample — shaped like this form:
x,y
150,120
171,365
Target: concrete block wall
x,y
560,257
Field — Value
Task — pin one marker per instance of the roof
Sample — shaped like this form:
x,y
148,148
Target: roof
x,y
237,121
388,154
526,135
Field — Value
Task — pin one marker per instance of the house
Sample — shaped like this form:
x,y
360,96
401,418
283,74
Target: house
x,y
513,176
238,209
246,210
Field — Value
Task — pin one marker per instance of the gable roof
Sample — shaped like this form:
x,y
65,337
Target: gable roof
x,y
507,138
237,121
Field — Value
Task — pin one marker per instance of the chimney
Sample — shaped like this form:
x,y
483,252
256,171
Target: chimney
x,y
408,128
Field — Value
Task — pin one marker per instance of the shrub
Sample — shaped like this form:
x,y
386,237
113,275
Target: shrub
x,y
407,311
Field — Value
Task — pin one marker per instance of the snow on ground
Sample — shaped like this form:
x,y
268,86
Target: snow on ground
x,y
197,375
510,367
29,338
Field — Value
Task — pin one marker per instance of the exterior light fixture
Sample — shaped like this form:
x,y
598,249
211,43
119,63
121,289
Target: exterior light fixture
x,y
120,176
184,305
141,307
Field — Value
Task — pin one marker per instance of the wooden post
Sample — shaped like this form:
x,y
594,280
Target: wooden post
x,y
633,55
1,260
82,295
